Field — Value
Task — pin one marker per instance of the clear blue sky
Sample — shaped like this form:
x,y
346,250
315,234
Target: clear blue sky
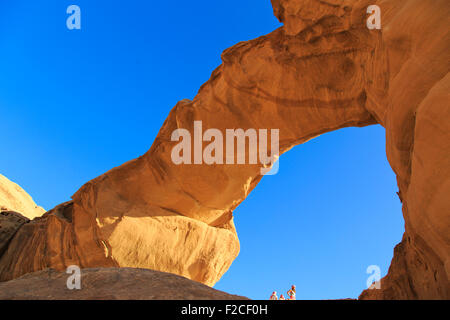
x,y
74,104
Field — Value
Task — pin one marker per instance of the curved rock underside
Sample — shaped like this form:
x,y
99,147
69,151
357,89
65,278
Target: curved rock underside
x,y
323,70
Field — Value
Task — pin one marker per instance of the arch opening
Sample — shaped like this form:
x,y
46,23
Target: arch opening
x,y
330,212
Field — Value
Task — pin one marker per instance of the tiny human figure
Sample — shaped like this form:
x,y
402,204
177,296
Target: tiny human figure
x,y
291,293
282,297
274,296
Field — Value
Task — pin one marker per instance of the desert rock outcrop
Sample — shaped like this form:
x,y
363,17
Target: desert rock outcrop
x,y
323,70
14,198
10,222
16,209
109,284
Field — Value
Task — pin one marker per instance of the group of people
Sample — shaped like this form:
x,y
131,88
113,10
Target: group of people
x,y
290,293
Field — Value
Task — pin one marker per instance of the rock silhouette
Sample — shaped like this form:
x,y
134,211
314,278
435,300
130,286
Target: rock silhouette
x,y
323,70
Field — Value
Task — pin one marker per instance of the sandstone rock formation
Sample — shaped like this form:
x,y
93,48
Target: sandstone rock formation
x,y
16,209
323,70
10,222
14,198
110,284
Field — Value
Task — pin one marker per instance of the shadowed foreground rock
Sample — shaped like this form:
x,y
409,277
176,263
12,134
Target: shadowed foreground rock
x,y
110,284
322,71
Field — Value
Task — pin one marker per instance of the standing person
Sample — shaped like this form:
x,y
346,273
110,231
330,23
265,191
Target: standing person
x,y
291,293
274,296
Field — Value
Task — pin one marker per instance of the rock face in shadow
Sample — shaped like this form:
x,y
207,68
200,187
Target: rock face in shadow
x,y
109,284
10,222
323,70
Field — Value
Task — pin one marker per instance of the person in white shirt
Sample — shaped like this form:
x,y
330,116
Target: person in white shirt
x,y
291,293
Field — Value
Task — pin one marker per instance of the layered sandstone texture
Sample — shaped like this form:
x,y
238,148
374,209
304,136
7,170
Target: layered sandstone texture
x,y
109,284
321,71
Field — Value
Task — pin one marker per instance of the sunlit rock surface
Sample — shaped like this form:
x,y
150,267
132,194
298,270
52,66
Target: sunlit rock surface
x,y
16,209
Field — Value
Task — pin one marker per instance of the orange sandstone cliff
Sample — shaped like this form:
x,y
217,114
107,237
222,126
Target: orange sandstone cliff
x,y
323,70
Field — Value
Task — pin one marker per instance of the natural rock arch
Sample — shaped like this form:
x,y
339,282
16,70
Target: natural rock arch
x,y
322,71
